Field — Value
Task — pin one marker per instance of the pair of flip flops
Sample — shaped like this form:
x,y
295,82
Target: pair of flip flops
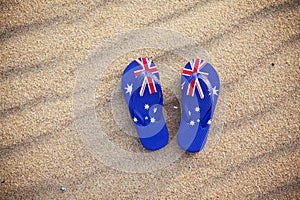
x,y
143,93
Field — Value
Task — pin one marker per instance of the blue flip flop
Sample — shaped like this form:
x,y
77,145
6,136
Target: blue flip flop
x,y
143,94
200,85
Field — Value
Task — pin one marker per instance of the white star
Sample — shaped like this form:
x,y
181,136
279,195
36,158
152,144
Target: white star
x,y
155,110
128,89
209,121
197,109
146,118
146,106
182,85
192,123
198,120
214,91
135,119
190,113
152,120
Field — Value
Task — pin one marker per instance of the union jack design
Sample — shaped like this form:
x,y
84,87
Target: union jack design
x,y
145,63
195,67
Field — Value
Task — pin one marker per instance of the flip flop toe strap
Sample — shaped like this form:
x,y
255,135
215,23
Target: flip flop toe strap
x,y
190,116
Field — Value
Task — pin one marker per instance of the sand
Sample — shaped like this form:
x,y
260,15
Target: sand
x,y
253,148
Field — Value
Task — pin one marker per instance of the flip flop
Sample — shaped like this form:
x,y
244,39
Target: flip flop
x,y
143,94
200,85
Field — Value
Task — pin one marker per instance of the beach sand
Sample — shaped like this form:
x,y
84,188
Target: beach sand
x,y
252,151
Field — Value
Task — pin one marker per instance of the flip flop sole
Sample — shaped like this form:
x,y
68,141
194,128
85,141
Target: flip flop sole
x,y
200,87
143,94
